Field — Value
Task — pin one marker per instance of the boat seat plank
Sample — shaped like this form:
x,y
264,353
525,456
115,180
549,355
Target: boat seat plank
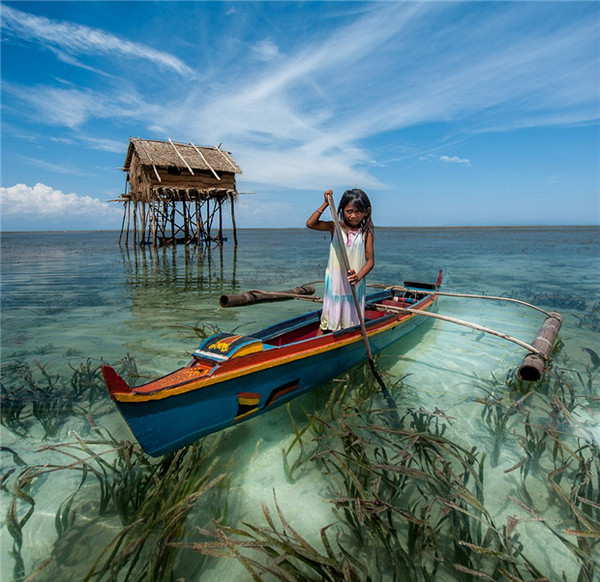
x,y
398,302
224,346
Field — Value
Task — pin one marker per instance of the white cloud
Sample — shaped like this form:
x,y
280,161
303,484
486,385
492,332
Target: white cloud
x,y
265,50
106,145
331,94
454,160
41,201
72,107
76,39
303,169
63,168
303,115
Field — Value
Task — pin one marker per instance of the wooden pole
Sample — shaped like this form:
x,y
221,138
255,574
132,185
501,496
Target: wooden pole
x,y
359,311
201,236
206,161
163,219
220,235
173,221
258,296
150,160
186,226
492,298
128,221
123,221
226,158
124,196
135,223
181,157
143,217
533,365
196,216
208,219
154,222
231,198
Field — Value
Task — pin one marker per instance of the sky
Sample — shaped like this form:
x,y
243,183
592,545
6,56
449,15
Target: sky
x,y
446,113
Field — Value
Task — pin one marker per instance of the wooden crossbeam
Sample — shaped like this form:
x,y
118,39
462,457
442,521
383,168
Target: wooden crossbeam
x,y
226,158
181,157
206,161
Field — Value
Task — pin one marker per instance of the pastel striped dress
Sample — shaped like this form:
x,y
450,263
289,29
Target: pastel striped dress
x,y
339,311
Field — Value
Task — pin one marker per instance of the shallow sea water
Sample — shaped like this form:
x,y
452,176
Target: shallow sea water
x,y
72,298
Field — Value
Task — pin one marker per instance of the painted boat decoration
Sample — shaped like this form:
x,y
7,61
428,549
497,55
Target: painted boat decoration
x,y
232,377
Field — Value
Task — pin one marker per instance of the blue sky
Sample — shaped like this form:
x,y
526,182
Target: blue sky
x,y
445,113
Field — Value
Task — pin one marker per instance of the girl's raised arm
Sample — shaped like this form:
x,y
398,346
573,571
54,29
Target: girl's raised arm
x,y
314,220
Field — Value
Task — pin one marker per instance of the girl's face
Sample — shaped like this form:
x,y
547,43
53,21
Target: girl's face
x,y
353,217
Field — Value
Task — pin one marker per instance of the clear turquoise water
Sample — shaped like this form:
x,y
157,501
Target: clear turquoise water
x,y
69,298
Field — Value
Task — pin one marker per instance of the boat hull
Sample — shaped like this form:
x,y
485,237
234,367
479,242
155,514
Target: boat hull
x,y
167,419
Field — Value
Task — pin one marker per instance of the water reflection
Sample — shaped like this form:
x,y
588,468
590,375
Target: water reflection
x,y
183,268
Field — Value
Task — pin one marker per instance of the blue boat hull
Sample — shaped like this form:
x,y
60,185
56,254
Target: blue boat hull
x,y
163,424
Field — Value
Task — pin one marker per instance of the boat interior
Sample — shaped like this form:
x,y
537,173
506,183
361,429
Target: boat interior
x,y
224,346
306,327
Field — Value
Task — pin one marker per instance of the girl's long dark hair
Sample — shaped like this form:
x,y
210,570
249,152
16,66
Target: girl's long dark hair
x,y
362,202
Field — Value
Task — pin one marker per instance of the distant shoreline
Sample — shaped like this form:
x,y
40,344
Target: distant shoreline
x,y
227,230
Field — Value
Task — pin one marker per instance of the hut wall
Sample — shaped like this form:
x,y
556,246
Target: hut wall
x,y
199,181
142,178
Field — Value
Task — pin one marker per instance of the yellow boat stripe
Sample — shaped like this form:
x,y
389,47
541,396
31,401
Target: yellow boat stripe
x,y
245,414
248,401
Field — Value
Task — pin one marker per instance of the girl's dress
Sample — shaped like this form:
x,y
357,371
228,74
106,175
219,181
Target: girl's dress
x,y
339,310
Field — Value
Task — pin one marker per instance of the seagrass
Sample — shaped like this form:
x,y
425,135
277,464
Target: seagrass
x,y
408,502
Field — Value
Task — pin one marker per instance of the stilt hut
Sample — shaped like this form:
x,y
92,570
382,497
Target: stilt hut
x,y
175,192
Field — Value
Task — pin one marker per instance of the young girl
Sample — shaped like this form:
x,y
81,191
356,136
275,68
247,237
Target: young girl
x,y
339,310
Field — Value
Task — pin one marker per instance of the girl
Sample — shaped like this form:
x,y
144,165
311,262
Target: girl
x,y
339,310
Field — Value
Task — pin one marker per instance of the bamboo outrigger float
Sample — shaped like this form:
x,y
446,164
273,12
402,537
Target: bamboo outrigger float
x,y
533,365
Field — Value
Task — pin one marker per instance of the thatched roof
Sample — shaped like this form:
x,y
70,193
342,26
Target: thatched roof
x,y
166,154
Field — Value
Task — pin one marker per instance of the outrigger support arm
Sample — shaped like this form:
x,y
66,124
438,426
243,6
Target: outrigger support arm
x,y
465,295
468,295
476,326
531,369
533,365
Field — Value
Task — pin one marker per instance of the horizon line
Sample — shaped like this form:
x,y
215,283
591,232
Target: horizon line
x,y
508,227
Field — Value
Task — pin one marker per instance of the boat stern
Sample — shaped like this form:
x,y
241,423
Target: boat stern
x,y
114,382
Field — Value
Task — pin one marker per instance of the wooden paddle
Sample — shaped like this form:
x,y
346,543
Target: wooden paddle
x,y
361,318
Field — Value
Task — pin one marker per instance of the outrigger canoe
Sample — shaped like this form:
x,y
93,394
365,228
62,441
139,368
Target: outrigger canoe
x,y
232,378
